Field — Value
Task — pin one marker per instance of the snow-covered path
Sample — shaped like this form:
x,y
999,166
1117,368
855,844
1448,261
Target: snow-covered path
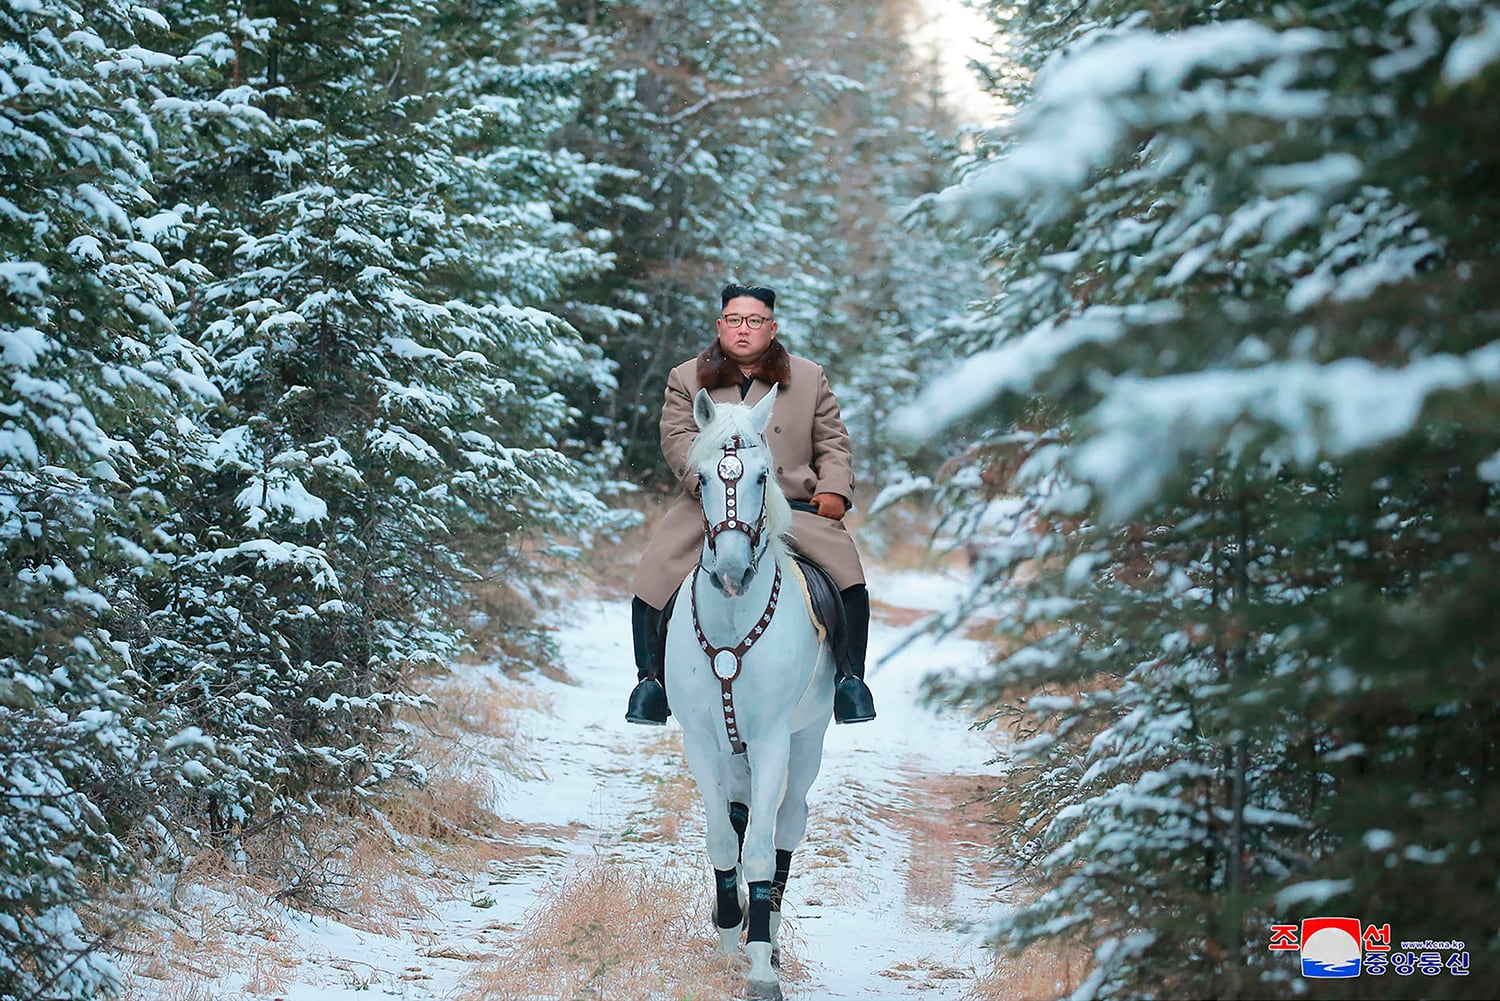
x,y
891,872
886,920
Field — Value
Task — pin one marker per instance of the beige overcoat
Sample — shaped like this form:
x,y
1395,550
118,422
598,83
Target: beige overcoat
x,y
811,447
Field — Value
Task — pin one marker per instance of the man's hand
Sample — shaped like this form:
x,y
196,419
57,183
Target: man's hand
x,y
830,506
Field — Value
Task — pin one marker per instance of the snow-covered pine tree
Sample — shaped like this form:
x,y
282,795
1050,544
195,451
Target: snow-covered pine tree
x,y
710,116
93,373
511,99
345,188
773,139
1246,262
890,275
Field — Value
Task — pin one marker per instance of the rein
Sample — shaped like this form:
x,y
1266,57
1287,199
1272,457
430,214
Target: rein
x,y
728,661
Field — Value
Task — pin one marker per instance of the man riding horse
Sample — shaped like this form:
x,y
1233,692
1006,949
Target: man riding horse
x,y
814,466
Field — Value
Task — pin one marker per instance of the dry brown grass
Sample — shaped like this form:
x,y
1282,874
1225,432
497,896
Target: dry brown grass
x,y
615,931
675,801
372,871
500,621
913,552
952,828
350,867
1037,974
922,974
450,820
454,810
488,706
225,926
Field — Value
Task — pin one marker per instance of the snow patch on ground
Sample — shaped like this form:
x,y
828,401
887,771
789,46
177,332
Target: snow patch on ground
x,y
896,916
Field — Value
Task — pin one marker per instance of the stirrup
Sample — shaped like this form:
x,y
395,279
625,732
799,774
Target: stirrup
x,y
852,701
648,704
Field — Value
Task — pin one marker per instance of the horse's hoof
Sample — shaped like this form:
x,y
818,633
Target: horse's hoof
x,y
729,940
765,991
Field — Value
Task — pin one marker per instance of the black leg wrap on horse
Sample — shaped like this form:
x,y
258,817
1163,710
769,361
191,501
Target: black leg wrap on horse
x,y
727,913
778,881
760,912
739,819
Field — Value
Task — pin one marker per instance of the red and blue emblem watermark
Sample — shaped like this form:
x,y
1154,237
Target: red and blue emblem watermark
x,y
1338,948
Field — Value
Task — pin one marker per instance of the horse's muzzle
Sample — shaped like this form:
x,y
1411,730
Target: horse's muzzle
x,y
733,585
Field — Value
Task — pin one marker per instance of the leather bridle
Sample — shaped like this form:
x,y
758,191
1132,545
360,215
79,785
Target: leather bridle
x,y
727,662
731,469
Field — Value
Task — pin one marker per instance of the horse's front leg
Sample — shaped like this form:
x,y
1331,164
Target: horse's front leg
x,y
723,843
791,821
768,767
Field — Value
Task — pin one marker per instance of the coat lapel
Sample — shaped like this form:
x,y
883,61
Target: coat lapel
x,y
758,390
726,394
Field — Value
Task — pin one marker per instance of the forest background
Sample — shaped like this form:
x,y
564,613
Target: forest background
x,y
315,315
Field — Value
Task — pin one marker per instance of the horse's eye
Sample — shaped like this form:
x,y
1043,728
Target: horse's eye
x,y
763,475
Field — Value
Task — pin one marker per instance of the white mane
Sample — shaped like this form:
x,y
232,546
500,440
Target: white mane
x,y
731,420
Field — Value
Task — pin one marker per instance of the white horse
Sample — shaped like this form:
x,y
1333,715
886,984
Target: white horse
x,y
749,680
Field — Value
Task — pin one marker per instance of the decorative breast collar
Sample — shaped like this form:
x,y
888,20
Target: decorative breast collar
x,y
728,661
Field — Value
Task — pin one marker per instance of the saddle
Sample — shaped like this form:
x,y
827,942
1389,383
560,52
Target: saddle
x,y
827,610
824,602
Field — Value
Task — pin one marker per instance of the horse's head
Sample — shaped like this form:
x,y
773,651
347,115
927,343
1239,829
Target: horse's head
x,y
744,510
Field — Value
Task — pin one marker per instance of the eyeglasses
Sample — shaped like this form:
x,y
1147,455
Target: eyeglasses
x,y
734,321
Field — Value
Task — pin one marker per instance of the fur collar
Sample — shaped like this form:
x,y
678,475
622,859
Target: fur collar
x,y
716,370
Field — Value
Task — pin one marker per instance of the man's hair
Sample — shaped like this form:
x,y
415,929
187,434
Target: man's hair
x,y
764,293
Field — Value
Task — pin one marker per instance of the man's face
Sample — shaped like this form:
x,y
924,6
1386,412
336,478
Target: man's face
x,y
743,345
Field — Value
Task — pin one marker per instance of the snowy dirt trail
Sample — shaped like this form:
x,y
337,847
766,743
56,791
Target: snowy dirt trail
x,y
604,880
892,867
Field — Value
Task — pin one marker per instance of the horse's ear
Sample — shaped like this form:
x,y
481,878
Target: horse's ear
x,y
703,409
761,415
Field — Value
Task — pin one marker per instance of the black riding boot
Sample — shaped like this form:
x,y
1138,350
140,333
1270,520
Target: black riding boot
x,y
648,630
852,701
